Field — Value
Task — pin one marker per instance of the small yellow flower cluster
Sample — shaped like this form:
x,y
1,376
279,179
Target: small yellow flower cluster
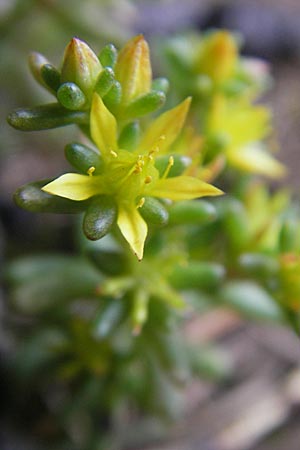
x,y
128,176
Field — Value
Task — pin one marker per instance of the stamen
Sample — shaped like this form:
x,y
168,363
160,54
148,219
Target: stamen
x,y
91,170
168,168
140,203
139,165
135,169
156,147
113,153
148,179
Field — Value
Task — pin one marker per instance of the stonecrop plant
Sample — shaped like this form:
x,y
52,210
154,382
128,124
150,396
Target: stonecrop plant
x,y
107,321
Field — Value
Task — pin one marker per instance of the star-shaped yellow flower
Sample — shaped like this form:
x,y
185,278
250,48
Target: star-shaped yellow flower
x,y
129,177
244,126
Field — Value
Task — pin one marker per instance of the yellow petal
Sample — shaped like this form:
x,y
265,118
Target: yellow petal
x,y
74,186
183,188
134,228
133,69
103,127
165,129
253,159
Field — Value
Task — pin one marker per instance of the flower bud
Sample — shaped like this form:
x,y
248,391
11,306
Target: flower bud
x,y
80,66
218,56
133,69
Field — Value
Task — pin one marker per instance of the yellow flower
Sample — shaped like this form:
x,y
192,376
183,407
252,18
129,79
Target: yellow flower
x,y
130,176
243,126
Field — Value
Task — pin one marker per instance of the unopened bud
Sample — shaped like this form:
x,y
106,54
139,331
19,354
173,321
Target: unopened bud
x,y
218,56
80,66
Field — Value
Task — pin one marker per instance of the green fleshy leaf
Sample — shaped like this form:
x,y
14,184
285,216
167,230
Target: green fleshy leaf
x,y
100,217
130,136
71,96
108,318
154,212
32,198
106,254
36,61
45,117
113,96
197,275
251,300
180,164
192,212
236,223
105,81
160,84
50,76
83,158
108,56
145,104
44,282
289,236
259,265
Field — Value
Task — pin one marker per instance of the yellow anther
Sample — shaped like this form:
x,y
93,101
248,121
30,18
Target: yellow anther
x,y
156,147
91,170
113,153
139,165
140,203
170,164
148,179
152,151
161,138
